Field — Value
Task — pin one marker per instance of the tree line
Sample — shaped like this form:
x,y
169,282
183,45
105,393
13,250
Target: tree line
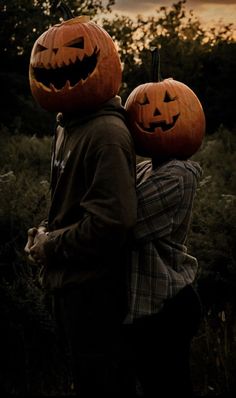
x,y
203,58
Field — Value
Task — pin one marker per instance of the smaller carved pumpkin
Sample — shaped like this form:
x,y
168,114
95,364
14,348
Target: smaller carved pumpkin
x,y
74,65
166,118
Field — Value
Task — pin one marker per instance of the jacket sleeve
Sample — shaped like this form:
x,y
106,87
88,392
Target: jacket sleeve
x,y
110,208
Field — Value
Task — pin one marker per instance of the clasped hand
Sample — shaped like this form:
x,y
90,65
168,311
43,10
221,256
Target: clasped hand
x,y
34,247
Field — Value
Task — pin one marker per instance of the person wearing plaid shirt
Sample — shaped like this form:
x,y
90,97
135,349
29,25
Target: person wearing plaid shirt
x,y
164,308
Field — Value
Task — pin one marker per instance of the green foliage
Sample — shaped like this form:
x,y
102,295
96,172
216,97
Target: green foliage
x,y
33,359
24,187
216,84
212,240
19,112
23,21
213,230
213,355
25,153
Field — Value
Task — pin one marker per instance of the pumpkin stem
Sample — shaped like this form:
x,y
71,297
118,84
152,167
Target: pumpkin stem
x,y
66,12
156,66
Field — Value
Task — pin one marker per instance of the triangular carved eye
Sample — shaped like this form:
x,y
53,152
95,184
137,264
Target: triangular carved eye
x,y
39,48
76,43
168,98
144,100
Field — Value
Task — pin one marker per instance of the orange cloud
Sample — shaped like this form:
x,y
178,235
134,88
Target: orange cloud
x,y
206,10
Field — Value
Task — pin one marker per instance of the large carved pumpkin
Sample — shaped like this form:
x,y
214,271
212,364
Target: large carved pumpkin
x,y
74,65
166,118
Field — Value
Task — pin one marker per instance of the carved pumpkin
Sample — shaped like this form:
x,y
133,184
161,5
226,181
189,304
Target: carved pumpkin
x,y
74,65
166,118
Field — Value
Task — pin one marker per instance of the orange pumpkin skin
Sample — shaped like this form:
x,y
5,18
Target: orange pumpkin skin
x,y
166,118
74,65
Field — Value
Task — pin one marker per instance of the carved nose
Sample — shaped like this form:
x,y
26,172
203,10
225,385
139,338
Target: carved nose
x,y
55,50
156,112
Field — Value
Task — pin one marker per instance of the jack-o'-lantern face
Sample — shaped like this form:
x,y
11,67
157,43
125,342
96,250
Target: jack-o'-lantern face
x,y
162,114
74,65
166,118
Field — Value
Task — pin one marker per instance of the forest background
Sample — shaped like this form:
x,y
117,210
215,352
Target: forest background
x,y
33,361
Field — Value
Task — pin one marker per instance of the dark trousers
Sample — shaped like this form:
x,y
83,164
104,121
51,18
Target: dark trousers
x,y
161,347
91,318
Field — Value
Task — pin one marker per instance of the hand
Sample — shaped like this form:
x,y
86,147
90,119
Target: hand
x,y
36,251
32,233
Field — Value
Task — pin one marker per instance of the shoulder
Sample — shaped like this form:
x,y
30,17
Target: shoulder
x,y
167,182
158,185
183,169
111,130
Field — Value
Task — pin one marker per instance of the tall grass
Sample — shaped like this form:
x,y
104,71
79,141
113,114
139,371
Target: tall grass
x,y
33,360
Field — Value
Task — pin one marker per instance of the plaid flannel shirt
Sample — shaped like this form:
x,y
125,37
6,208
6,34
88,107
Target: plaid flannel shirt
x,y
160,263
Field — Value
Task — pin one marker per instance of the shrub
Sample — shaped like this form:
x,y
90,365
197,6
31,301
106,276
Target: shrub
x,y
212,240
33,359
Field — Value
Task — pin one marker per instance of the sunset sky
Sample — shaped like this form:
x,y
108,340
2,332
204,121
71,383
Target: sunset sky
x,y
207,10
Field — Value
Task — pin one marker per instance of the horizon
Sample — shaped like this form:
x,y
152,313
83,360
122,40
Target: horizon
x,y
209,12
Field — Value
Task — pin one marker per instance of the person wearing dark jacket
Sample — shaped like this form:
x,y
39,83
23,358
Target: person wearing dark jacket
x,y
83,246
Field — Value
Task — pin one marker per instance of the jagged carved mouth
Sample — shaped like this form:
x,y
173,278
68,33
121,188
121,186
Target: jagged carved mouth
x,y
162,124
71,73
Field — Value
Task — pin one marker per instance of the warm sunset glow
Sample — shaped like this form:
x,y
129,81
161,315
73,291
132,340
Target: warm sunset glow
x,y
211,12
